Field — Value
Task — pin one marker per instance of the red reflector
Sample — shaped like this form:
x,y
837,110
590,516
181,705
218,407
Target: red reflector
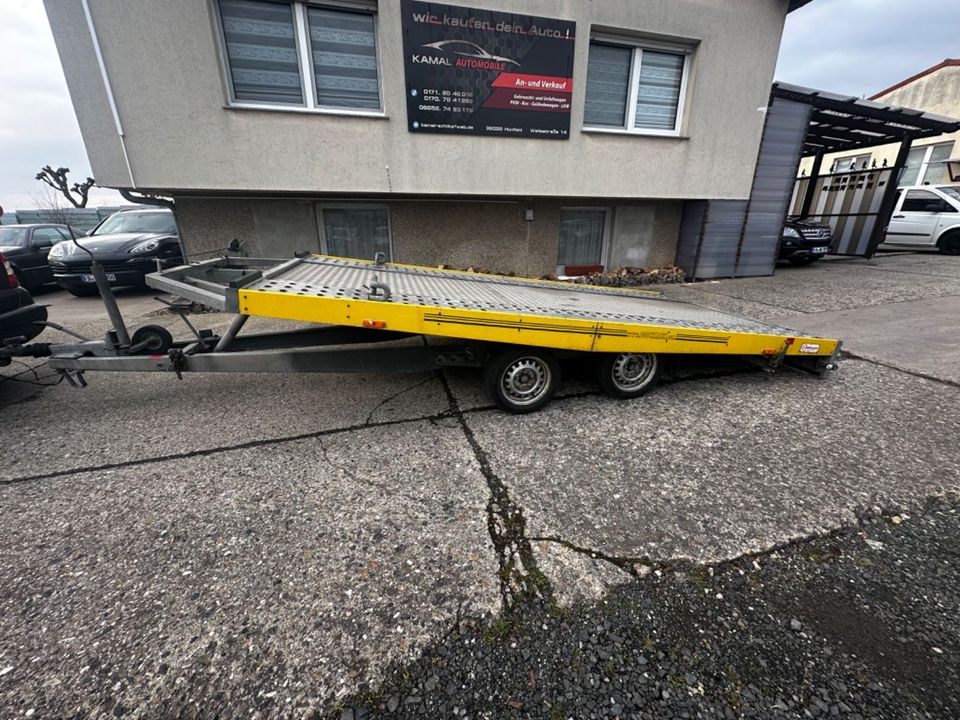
x,y
768,351
790,341
12,281
379,324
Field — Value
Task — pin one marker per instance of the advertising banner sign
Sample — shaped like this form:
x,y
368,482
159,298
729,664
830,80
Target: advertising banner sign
x,y
480,72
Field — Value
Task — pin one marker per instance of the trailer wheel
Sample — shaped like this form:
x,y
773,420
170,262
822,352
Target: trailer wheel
x,y
157,338
522,380
628,375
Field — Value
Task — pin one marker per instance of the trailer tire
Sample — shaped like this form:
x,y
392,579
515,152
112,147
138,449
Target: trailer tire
x,y
522,380
157,337
629,375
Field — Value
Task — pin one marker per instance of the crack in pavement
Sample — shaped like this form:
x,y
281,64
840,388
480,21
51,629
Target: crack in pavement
x,y
222,448
382,487
432,418
394,397
915,373
519,576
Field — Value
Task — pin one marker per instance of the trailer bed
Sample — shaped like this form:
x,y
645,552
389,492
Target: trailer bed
x,y
473,306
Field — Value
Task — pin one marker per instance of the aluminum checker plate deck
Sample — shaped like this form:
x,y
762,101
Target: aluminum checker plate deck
x,y
494,308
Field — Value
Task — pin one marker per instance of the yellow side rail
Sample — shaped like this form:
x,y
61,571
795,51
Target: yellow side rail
x,y
519,329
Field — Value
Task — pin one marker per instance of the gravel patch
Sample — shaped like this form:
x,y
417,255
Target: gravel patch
x,y
860,624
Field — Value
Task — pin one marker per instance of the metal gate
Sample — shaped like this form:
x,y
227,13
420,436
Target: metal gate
x,y
849,202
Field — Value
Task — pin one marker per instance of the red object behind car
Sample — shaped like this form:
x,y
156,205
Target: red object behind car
x,y
19,315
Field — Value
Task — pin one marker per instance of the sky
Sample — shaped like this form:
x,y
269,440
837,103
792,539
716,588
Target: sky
x,y
856,47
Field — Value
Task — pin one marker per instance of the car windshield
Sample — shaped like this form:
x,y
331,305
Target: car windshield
x,y
138,222
13,237
950,192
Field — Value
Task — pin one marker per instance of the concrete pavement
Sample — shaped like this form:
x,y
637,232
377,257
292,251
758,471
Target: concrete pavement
x,y
276,541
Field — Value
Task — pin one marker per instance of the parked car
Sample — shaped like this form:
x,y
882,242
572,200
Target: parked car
x,y
127,244
18,313
925,217
804,242
27,247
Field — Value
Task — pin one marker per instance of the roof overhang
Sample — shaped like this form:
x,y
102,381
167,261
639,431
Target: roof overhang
x,y
840,123
795,4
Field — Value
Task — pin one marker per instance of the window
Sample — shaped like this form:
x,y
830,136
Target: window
x,y
851,162
13,237
635,89
296,54
131,221
46,237
355,232
921,201
582,237
925,165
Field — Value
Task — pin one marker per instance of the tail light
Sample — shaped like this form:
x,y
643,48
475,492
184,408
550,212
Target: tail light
x,y
11,276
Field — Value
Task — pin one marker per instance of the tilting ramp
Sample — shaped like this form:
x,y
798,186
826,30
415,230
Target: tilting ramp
x,y
508,310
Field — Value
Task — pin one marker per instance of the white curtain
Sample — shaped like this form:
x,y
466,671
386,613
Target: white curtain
x,y
262,51
658,90
356,233
581,237
344,55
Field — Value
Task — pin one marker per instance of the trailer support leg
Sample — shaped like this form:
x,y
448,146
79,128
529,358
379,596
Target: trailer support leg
x,y
110,303
235,326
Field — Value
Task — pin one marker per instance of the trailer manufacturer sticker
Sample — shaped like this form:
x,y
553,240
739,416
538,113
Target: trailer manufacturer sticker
x,y
809,348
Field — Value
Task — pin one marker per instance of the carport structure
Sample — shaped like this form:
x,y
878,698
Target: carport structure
x,y
737,238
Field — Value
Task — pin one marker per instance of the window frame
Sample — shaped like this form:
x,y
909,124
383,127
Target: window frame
x,y
925,163
867,157
322,228
605,241
637,46
301,36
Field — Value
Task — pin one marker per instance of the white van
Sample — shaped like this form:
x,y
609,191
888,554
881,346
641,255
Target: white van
x,y
925,217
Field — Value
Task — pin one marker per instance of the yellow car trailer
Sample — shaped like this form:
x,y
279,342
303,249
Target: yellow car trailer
x,y
514,328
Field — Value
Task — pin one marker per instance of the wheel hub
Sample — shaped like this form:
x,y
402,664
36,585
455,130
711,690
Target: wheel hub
x,y
632,371
526,380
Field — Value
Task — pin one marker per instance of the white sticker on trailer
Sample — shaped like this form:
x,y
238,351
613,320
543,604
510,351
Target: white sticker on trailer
x,y
809,348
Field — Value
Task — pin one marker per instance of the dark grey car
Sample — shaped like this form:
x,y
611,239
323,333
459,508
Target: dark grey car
x,y
27,247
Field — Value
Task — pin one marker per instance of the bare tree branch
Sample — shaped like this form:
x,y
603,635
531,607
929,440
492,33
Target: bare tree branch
x,y
57,179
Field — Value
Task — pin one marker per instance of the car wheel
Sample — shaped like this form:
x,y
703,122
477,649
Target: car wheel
x,y
628,375
522,380
949,244
83,291
809,259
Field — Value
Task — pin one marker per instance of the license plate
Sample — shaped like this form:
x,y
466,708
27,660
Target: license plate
x,y
821,250
91,279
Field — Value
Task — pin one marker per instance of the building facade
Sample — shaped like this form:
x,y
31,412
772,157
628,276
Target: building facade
x,y
934,90
517,135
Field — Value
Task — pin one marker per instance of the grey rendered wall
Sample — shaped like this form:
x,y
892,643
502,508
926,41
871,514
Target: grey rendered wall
x,y
163,62
490,235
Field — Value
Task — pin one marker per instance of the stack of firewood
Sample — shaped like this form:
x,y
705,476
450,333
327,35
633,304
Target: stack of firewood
x,y
634,276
